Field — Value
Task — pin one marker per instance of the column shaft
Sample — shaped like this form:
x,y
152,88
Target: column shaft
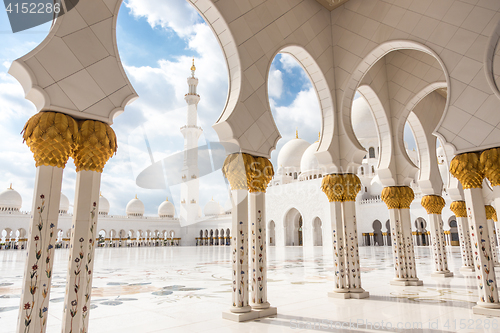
x,y
341,284
240,251
465,244
42,237
80,268
491,233
257,217
351,243
398,246
487,288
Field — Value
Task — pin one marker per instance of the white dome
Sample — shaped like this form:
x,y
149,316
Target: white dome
x,y
362,120
375,186
135,207
10,200
103,205
309,162
166,209
291,153
228,206
212,208
63,204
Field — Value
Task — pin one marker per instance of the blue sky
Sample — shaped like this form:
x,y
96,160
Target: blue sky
x,y
156,41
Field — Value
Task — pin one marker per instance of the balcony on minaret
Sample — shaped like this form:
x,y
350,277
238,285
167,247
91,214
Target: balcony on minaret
x,y
193,201
193,176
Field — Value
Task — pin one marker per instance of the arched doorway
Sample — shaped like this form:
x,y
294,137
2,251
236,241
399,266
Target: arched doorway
x,y
454,240
272,233
317,232
377,233
422,237
293,226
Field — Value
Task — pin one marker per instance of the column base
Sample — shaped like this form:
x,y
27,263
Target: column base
x,y
441,274
347,295
415,282
481,310
260,306
251,315
467,269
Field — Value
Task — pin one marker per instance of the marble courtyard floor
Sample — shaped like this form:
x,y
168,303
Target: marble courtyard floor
x,y
185,289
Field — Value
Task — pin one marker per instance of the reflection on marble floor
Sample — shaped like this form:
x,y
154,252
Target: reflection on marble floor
x,y
185,289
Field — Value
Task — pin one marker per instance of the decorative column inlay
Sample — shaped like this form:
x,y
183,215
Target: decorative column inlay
x,y
261,173
458,208
490,217
470,172
434,205
50,136
95,144
341,190
398,200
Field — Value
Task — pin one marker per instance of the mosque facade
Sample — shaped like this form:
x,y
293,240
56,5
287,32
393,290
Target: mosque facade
x,y
432,64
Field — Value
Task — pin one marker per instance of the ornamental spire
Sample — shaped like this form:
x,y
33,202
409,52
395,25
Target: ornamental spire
x,y
193,68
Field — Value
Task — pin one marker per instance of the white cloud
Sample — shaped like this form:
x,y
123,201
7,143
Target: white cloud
x,y
289,62
179,16
275,83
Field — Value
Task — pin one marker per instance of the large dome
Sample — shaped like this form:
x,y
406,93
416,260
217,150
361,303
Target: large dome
x,y
362,120
309,162
63,204
166,209
10,200
291,153
212,208
103,205
135,207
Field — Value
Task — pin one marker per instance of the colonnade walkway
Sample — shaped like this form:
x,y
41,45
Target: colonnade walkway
x,y
185,289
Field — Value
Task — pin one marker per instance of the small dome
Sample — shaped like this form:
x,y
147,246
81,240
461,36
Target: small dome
x,y
166,209
375,186
291,153
309,162
362,120
228,206
135,207
212,208
103,205
10,200
63,204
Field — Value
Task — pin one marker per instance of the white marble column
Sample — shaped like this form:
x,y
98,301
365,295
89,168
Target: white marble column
x,y
42,237
341,190
460,211
341,284
353,271
258,254
80,267
398,200
470,172
434,205
490,212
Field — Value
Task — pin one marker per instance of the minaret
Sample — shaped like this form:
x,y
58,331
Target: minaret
x,y
190,172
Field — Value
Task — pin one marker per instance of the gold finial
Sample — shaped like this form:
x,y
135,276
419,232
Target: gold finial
x,y
319,135
212,198
100,193
10,188
167,198
296,132
136,196
193,68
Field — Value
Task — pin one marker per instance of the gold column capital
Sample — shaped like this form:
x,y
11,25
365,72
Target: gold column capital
x,y
95,144
490,164
491,213
247,172
458,208
261,173
341,187
433,204
50,137
397,197
467,169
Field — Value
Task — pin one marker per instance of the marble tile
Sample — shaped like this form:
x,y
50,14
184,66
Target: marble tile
x,y
185,289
